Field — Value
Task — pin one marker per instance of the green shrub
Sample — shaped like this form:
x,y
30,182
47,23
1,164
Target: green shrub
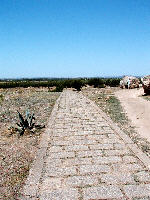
x,y
96,82
112,82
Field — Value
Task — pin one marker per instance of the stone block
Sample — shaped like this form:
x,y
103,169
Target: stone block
x,y
62,154
107,159
102,192
143,176
60,171
80,181
117,178
101,146
137,190
94,169
60,194
89,153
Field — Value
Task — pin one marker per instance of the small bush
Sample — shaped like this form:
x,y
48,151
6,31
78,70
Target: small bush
x,y
96,82
77,84
112,82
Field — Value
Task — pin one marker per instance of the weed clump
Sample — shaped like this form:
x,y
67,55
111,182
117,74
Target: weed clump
x,y
26,123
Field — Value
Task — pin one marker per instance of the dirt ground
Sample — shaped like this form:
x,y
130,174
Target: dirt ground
x,y
17,152
137,109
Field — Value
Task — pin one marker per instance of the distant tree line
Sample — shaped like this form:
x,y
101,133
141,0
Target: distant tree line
x,y
60,84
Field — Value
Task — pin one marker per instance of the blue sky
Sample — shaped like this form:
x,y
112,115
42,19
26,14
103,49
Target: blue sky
x,y
74,38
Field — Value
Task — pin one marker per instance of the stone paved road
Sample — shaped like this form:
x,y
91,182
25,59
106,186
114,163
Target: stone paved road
x,y
84,156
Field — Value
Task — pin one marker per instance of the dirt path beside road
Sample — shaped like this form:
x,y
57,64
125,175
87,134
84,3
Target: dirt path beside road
x,y
137,109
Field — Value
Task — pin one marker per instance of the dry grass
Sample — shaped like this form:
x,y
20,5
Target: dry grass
x,y
18,152
105,99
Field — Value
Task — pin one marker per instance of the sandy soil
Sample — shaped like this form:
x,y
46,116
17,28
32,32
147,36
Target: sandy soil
x,y
137,109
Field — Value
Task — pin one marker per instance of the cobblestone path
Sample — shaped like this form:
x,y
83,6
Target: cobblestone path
x,y
84,156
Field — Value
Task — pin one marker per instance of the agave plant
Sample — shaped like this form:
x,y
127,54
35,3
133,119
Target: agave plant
x,y
25,123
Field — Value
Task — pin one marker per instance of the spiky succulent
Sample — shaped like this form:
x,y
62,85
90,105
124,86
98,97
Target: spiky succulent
x,y
25,123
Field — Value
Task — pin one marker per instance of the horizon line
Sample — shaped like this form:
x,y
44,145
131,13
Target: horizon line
x,y
78,77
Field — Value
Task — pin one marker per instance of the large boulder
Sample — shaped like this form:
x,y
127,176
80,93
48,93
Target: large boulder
x,y
146,84
129,82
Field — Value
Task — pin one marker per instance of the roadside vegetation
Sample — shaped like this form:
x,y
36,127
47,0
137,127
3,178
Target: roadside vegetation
x,y
18,149
60,84
147,97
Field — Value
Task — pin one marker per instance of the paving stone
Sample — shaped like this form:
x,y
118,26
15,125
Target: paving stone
x,y
117,178
99,131
133,167
137,190
85,142
101,146
119,146
75,137
89,153
130,159
107,159
85,169
63,154
113,136
50,183
97,137
61,143
76,148
60,171
76,161
102,192
52,162
61,133
60,194
113,141
143,176
108,129
55,149
80,181
117,152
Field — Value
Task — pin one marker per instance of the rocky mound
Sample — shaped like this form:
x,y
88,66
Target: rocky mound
x,y
129,82
146,84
